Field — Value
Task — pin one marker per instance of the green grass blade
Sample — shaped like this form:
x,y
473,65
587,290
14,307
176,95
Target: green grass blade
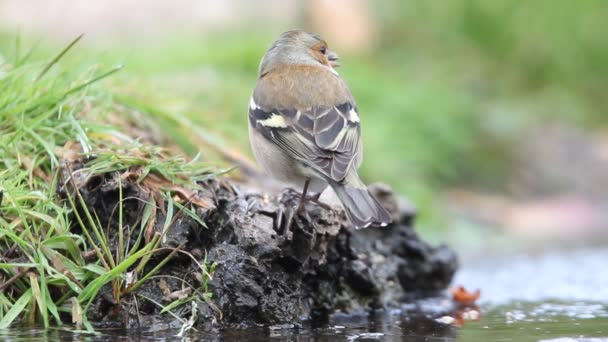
x,y
16,309
176,303
92,289
40,300
58,57
93,80
155,269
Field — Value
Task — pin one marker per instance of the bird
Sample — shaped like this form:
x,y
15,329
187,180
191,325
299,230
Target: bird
x,y
304,126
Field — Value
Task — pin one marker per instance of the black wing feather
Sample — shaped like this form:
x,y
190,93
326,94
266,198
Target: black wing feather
x,y
326,139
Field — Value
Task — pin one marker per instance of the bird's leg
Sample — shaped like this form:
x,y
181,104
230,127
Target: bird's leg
x,y
303,198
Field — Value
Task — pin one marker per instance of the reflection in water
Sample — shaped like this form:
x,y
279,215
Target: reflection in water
x,y
516,322
516,306
377,327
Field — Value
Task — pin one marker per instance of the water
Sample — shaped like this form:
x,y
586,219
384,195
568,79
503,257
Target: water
x,y
553,297
579,275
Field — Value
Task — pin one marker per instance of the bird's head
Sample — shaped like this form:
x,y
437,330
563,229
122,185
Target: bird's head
x,y
298,47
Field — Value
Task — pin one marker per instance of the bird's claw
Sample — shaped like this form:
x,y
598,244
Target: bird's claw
x,y
284,219
291,209
252,204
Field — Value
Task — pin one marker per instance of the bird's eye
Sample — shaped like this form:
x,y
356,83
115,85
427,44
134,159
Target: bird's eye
x,y
323,50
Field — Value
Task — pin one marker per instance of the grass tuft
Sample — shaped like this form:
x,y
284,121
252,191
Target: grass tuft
x,y
55,254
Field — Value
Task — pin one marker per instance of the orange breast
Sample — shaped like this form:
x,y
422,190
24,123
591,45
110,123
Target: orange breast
x,y
301,87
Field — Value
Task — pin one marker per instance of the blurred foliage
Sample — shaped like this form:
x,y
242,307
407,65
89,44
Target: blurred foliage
x,y
445,97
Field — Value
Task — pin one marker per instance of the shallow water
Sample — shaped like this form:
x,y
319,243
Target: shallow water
x,y
557,297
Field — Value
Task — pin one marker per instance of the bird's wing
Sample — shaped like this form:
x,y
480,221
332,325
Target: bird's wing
x,y
326,139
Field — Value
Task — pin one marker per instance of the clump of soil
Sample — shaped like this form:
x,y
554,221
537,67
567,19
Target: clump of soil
x,y
273,265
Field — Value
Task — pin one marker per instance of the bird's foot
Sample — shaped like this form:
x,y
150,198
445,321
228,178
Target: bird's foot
x,y
294,198
292,209
284,219
289,196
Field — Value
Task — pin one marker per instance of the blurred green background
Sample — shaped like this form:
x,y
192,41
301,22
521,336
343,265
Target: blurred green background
x,y
455,96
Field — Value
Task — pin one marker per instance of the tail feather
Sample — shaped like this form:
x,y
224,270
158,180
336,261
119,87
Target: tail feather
x,y
362,208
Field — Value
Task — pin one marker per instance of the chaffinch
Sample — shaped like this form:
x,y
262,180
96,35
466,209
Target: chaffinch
x,y
304,127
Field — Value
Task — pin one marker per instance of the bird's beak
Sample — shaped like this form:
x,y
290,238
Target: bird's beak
x,y
333,58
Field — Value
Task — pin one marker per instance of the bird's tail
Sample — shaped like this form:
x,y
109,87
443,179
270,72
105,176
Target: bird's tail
x,y
361,207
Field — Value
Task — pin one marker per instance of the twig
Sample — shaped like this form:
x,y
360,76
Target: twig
x,y
14,278
10,251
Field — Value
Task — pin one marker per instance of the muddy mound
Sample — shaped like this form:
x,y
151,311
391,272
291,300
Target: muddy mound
x,y
269,265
